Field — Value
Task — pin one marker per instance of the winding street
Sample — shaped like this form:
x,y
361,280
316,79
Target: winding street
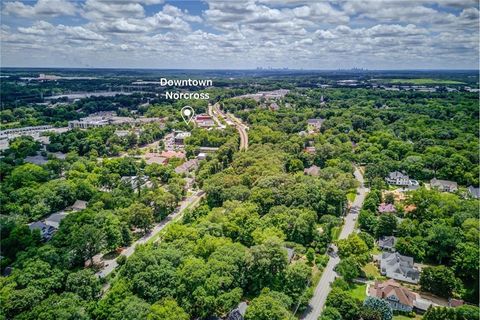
x,y
323,288
110,264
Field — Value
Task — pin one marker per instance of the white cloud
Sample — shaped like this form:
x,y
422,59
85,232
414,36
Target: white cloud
x,y
45,8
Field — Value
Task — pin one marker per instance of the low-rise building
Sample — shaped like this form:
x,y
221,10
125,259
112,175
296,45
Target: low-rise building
x,y
474,192
398,297
187,166
399,267
46,231
172,154
202,156
398,178
204,121
312,171
444,185
239,312
180,137
387,243
386,208
314,125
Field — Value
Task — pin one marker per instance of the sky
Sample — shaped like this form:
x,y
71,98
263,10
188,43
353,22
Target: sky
x,y
212,34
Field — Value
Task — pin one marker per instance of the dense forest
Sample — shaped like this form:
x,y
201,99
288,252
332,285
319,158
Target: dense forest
x,y
261,233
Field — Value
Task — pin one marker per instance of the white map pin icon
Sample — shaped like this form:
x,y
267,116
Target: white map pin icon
x,y
187,114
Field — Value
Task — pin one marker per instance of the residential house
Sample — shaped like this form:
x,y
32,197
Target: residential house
x,y
398,267
444,185
46,231
474,192
79,205
453,303
387,243
151,158
398,178
314,125
398,297
54,219
386,208
239,312
187,166
312,171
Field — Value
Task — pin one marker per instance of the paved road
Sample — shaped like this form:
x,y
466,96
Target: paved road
x,y
323,288
111,264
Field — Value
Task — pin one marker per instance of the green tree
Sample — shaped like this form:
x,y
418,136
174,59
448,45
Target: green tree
x,y
267,306
379,305
330,313
348,306
141,216
84,283
167,309
439,280
387,225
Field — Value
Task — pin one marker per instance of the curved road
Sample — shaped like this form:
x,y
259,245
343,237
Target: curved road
x,y
323,288
110,264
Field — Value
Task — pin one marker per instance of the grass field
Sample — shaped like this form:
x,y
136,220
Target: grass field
x,y
371,271
358,291
423,81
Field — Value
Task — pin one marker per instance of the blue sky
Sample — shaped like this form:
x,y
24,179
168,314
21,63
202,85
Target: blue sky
x,y
374,34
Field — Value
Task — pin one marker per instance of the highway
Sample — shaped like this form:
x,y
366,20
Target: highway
x,y
110,264
323,288
231,119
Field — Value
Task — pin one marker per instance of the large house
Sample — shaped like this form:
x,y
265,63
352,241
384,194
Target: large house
x,y
398,267
444,185
399,298
398,178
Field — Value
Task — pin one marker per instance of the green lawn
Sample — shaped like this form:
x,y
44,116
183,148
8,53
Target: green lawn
x,y
371,271
358,291
423,81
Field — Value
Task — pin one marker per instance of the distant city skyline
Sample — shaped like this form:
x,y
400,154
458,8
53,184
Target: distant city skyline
x,y
212,34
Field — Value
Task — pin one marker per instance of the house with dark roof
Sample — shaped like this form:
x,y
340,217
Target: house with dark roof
x,y
46,231
399,298
474,192
444,185
239,312
387,243
399,267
